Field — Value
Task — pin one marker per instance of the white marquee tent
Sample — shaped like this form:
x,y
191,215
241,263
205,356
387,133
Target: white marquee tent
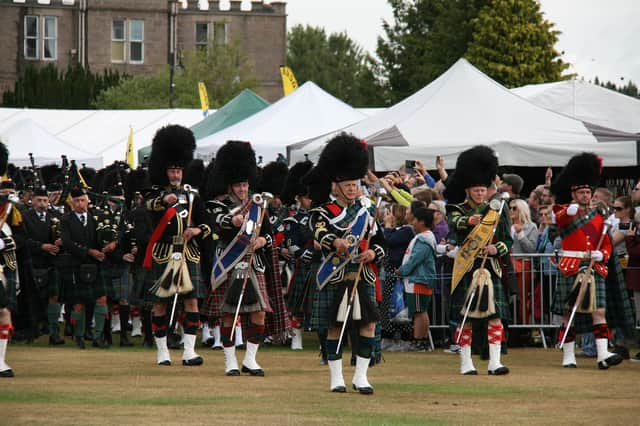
x,y
462,108
587,102
45,147
100,133
306,113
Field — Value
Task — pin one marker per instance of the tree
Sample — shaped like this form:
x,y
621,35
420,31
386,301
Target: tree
x,y
630,89
336,63
514,44
47,87
425,39
224,68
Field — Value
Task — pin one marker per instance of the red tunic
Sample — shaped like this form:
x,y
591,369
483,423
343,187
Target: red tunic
x,y
584,239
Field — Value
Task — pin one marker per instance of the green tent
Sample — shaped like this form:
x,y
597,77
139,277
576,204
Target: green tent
x,y
237,109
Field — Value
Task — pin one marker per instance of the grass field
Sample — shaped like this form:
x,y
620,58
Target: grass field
x,y
64,385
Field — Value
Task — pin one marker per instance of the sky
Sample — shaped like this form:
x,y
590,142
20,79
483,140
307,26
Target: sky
x,y
598,37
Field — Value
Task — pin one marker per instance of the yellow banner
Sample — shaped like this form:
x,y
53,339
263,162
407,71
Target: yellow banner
x,y
289,82
204,99
129,155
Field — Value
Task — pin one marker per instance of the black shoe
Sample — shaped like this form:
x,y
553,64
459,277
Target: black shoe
x,y
100,343
365,390
124,341
79,341
500,371
7,373
339,389
257,372
614,359
470,373
165,362
234,372
55,340
572,365
193,361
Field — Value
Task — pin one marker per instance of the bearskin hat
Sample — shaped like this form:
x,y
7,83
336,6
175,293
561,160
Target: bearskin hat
x,y
113,182
136,181
273,178
172,147
582,171
235,162
344,157
193,173
293,186
88,174
477,166
52,177
4,158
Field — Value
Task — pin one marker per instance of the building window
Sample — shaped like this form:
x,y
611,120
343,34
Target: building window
x,y
136,41
31,37
41,35
220,35
127,41
117,41
202,35
50,40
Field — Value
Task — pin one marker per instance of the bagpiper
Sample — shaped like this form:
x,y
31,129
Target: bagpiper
x,y
590,290
7,277
179,221
481,230
245,278
343,224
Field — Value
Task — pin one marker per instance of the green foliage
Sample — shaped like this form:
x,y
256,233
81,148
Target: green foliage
x,y
514,44
336,63
630,89
425,39
46,87
225,70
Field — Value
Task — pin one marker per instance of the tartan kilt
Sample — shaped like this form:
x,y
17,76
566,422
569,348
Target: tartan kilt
x,y
8,295
53,285
456,304
76,291
111,277
142,282
122,284
300,298
325,300
563,288
198,291
215,306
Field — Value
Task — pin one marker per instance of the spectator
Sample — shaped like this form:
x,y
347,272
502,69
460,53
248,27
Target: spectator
x,y
548,270
632,274
440,226
418,270
525,238
546,199
635,197
534,204
512,184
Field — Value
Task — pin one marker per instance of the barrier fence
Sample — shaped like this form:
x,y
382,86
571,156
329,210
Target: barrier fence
x,y
532,280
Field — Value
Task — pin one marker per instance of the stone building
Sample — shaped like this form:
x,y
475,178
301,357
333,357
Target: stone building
x,y
138,36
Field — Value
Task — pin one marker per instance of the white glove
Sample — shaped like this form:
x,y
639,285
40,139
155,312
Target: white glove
x,y
452,253
572,210
597,255
553,217
441,248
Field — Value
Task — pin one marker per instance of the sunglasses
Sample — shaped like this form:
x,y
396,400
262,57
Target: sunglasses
x,y
636,189
513,208
618,208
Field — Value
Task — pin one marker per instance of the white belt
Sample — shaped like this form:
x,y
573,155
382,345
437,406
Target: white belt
x,y
576,254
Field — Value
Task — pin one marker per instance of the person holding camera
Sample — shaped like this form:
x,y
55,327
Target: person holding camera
x,y
632,271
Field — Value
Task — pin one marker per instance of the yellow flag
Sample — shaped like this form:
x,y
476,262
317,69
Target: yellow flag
x,y
129,154
204,99
289,82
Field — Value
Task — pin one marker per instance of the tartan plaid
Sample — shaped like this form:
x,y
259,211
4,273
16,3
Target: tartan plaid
x,y
121,285
198,291
300,299
610,295
457,305
325,301
111,276
75,291
278,322
142,282
10,292
417,303
577,223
